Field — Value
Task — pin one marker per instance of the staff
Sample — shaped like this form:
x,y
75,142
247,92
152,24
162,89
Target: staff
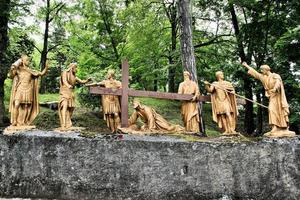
x,y
206,82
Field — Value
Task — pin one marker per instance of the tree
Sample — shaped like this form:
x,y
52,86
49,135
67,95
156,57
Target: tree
x,y
170,8
187,47
249,117
186,39
4,42
50,12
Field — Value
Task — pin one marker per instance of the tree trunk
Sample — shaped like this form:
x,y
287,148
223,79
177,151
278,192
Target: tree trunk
x,y
44,52
186,39
249,117
4,17
187,47
172,71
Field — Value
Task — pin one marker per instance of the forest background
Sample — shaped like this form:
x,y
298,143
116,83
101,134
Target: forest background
x,y
98,34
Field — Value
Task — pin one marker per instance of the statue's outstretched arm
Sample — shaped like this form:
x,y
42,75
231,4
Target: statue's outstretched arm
x,y
209,87
82,81
45,70
253,72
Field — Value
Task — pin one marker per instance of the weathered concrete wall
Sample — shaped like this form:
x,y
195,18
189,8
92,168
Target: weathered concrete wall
x,y
71,167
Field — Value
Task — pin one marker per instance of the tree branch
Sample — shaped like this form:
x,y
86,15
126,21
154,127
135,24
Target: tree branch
x,y
212,41
37,48
58,7
53,47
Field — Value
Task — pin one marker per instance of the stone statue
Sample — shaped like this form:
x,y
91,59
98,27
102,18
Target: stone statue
x,y
111,103
189,109
224,106
278,106
153,122
66,106
24,105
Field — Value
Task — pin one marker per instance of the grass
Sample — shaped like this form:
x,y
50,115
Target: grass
x,y
48,97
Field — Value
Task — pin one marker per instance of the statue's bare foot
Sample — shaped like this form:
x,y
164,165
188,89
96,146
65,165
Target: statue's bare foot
x,y
225,133
274,129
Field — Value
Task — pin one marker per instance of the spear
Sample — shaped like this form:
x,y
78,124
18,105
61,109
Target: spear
x,y
205,82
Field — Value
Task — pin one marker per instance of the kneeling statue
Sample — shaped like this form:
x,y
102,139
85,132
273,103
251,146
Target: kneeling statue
x,y
153,122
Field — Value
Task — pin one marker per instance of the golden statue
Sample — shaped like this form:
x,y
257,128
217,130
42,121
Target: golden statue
x,y
24,105
153,122
189,109
278,106
111,103
66,105
224,106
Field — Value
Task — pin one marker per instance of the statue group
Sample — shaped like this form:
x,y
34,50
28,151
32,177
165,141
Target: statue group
x,y
24,105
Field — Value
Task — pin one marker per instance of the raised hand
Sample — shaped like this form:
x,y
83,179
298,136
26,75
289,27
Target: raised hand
x,y
244,64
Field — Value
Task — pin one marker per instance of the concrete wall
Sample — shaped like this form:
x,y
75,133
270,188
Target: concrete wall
x,y
48,165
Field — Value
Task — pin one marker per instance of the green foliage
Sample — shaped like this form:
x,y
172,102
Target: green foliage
x,y
88,100
20,43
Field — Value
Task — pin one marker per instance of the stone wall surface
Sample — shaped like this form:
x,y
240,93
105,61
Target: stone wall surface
x,y
47,165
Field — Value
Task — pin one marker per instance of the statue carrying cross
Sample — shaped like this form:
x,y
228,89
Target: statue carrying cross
x,y
124,91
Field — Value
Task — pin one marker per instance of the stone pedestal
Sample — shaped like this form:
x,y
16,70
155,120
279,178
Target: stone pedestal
x,y
49,165
15,129
280,134
69,130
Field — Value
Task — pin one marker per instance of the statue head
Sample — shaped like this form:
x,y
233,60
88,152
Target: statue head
x,y
110,73
136,104
220,75
186,75
25,60
73,67
265,69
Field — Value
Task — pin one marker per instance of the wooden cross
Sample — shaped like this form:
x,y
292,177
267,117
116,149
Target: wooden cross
x,y
125,92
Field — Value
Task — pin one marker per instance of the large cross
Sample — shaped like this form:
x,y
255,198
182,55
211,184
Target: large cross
x,y
125,92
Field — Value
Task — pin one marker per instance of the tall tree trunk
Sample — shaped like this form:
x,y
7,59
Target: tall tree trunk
x,y
187,47
4,18
171,12
186,39
44,52
249,117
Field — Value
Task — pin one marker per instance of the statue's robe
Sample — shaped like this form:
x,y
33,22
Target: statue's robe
x,y
223,102
153,121
25,89
189,109
66,95
110,103
278,106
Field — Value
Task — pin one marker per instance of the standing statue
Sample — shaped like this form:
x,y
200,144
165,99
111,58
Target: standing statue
x,y
278,106
224,106
24,105
153,121
189,109
111,103
66,105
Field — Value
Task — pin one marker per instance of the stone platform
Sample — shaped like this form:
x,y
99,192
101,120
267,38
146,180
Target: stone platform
x,y
49,165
